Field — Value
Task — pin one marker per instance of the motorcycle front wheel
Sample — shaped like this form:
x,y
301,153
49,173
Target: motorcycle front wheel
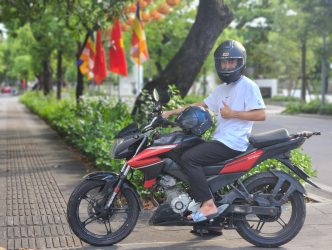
x,y
92,223
272,231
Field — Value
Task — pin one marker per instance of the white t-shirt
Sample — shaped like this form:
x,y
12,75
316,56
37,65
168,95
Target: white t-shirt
x,y
243,95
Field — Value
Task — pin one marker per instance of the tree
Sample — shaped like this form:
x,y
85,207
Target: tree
x,y
164,37
319,12
52,20
253,21
16,57
211,19
309,20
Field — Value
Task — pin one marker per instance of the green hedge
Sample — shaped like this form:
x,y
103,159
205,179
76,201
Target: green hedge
x,y
281,98
312,107
91,125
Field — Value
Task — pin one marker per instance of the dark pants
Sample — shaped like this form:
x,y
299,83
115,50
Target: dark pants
x,y
193,161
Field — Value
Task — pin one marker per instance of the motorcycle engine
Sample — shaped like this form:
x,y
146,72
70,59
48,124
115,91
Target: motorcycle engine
x,y
180,201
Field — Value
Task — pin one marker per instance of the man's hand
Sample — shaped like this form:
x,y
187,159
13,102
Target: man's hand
x,y
253,115
226,111
166,114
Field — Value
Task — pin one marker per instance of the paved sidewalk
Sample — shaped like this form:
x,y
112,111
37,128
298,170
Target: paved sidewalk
x,y
33,194
38,172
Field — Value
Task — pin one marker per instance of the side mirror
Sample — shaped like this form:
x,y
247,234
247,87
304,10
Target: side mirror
x,y
155,95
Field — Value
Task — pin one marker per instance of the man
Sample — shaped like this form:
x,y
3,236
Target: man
x,y
237,103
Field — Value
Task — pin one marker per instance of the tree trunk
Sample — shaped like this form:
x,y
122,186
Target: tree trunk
x,y
46,76
204,83
323,70
59,74
211,19
303,69
79,85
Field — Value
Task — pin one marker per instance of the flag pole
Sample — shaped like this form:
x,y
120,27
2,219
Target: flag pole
x,y
138,71
138,79
119,95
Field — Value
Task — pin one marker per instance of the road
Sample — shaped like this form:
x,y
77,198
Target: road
x,y
319,148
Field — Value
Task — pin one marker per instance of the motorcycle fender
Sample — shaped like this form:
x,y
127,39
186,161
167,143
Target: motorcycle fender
x,y
111,178
297,186
101,176
299,172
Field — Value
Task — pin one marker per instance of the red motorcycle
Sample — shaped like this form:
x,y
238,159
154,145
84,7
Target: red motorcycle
x,y
267,209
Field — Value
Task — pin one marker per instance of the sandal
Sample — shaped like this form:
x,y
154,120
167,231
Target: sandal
x,y
199,217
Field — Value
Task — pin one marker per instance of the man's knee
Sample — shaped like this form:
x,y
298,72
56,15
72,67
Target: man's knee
x,y
186,158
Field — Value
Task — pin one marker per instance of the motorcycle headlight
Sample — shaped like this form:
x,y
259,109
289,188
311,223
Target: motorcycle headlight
x,y
116,143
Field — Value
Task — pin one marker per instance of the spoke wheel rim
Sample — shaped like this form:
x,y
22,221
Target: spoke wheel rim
x,y
272,227
97,222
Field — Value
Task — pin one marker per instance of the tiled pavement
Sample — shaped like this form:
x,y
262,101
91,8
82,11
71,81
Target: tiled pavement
x,y
32,207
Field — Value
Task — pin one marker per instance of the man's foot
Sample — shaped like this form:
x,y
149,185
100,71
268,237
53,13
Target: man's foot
x,y
207,211
199,217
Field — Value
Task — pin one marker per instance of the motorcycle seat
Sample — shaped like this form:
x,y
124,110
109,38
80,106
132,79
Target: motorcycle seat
x,y
269,138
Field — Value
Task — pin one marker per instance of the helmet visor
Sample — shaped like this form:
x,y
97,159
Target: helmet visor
x,y
229,64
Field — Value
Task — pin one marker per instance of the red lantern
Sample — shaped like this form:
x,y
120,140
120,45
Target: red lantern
x,y
155,15
163,8
145,17
131,8
142,4
173,2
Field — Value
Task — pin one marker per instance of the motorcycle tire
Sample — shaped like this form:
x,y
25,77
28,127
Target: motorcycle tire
x,y
289,231
80,228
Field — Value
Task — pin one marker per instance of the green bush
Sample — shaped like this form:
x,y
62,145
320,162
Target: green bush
x,y
326,109
91,126
281,98
147,104
189,99
312,107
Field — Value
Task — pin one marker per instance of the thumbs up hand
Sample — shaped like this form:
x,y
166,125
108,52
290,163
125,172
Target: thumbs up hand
x,y
226,112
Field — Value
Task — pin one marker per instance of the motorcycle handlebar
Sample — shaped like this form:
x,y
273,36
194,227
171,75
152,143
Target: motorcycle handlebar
x,y
306,134
169,123
158,121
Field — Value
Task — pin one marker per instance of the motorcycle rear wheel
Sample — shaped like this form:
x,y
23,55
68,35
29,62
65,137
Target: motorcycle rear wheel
x,y
294,209
96,226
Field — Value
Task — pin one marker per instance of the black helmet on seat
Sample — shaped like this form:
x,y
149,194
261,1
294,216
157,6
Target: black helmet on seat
x,y
230,60
195,120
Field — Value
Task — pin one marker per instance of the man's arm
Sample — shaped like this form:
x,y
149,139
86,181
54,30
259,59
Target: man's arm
x,y
252,115
168,113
